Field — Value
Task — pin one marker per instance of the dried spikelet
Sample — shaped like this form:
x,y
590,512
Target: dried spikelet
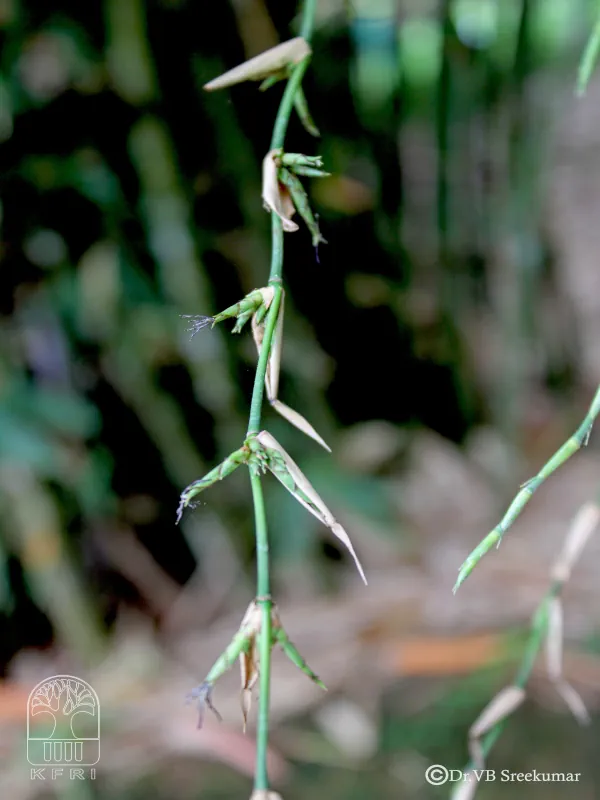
x,y
574,702
274,365
305,493
271,61
248,658
249,676
299,422
501,706
585,523
554,657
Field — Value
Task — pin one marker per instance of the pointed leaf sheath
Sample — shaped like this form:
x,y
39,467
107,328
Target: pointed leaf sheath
x,y
285,469
300,198
268,63
274,363
248,658
300,422
288,647
301,107
231,463
249,677
273,371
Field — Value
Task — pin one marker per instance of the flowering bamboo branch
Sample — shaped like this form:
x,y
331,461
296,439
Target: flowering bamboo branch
x,y
283,196
577,440
261,778
546,627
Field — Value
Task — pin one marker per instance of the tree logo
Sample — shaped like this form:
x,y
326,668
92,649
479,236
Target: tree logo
x,y
63,723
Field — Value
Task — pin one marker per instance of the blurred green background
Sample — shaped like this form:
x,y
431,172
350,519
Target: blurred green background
x,y
444,343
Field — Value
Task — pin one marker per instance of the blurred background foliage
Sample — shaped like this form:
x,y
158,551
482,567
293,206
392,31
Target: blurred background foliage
x,y
444,343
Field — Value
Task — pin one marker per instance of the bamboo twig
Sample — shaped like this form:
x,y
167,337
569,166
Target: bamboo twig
x,y
546,627
255,640
572,445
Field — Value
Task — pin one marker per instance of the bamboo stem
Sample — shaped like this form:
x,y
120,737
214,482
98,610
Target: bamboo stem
x,y
571,446
261,777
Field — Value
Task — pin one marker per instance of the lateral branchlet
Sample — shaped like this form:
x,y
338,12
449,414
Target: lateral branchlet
x,y
225,468
245,647
252,303
301,203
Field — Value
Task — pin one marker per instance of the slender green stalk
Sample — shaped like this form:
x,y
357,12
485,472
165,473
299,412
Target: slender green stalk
x,y
539,630
287,103
261,777
308,19
589,57
263,585
571,446
261,368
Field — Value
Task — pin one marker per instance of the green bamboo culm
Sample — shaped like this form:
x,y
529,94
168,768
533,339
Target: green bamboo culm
x,y
261,776
589,57
577,440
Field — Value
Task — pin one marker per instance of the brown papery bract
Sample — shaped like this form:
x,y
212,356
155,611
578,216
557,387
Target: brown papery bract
x,y
261,66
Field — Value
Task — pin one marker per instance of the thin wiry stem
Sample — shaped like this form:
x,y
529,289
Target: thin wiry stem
x,y
544,629
271,321
261,777
263,584
571,446
589,57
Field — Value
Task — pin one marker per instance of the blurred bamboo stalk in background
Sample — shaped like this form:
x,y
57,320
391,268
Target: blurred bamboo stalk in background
x,y
451,282
53,579
516,255
167,215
